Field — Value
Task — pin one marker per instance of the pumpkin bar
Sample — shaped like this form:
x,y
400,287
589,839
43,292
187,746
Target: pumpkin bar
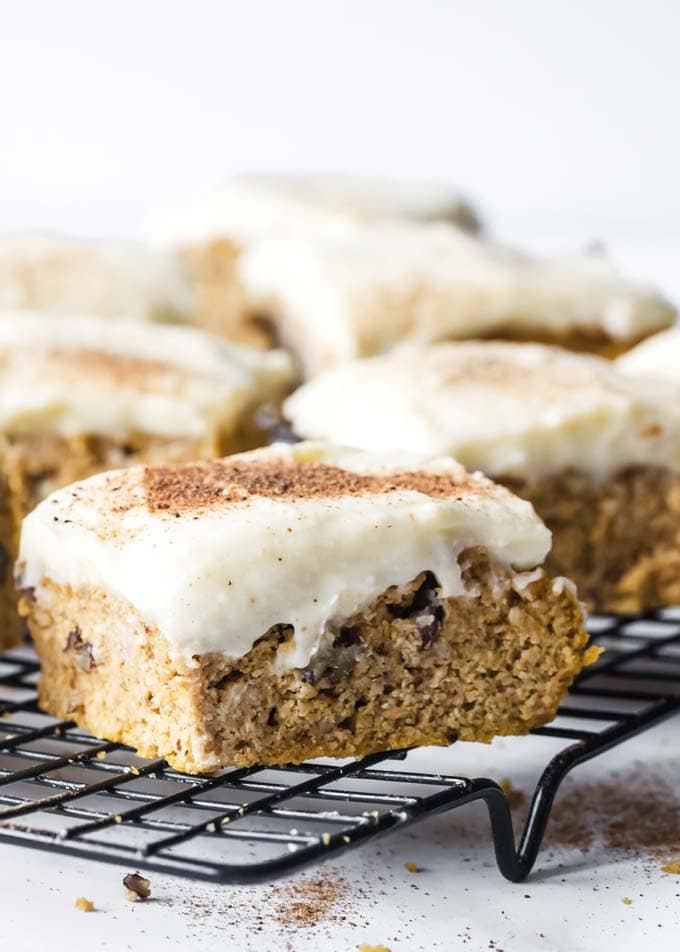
x,y
333,298
78,395
597,452
212,231
10,623
110,279
295,602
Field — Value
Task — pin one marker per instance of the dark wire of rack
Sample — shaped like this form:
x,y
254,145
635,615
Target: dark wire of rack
x,y
63,790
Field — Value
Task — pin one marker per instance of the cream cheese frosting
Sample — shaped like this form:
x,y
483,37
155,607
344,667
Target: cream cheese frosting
x,y
250,207
102,278
507,409
216,553
340,297
657,357
83,375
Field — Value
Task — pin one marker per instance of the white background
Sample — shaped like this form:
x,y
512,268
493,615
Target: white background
x,y
544,110
561,118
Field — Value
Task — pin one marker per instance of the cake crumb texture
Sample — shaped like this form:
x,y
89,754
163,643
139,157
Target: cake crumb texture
x,y
411,669
10,623
617,539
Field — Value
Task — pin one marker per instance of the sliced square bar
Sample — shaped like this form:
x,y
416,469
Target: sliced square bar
x,y
333,298
595,451
108,279
294,602
78,396
211,232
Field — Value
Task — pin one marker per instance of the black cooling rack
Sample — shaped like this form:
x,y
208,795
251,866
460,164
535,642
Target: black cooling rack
x,y
63,790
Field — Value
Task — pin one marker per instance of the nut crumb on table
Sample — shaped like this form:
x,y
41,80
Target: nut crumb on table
x,y
373,948
137,888
626,901
672,867
85,905
412,867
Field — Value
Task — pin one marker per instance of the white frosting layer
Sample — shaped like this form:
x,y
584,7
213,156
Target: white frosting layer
x,y
503,408
215,575
83,375
657,357
342,297
251,207
101,278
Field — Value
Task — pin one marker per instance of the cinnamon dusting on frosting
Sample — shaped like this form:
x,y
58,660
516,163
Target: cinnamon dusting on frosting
x,y
142,374
507,409
80,375
214,483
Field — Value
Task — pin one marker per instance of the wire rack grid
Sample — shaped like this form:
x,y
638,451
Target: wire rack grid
x,y
63,790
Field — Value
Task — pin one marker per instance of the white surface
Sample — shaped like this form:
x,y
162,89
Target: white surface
x,y
572,903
